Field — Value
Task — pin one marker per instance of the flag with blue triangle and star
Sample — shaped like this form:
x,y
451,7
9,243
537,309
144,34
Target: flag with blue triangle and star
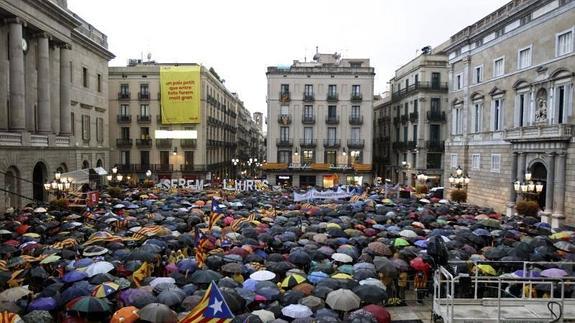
x,y
211,309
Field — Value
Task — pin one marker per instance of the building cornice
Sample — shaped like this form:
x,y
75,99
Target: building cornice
x,y
91,45
56,12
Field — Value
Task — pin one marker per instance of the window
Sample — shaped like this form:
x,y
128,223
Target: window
x,y
164,157
144,110
495,163
99,85
125,157
475,161
331,134
284,134
521,110
355,112
332,112
415,107
124,89
100,130
564,43
414,132
561,95
454,162
85,76
355,134
86,127
435,105
145,133
145,157
355,156
457,120
458,81
308,111
331,157
144,89
405,134
524,58
435,80
477,116
434,133
307,156
284,88
478,74
332,90
73,123
284,156
124,111
308,134
355,90
284,110
188,158
497,114
125,133
308,90
498,67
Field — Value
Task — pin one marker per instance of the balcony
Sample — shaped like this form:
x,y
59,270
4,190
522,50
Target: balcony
x,y
144,96
436,116
355,143
411,145
308,97
308,143
332,120
189,168
404,119
435,146
285,97
399,145
356,97
163,168
308,119
143,143
419,86
188,143
331,143
284,119
355,120
144,118
554,132
332,97
164,143
396,120
282,142
122,95
413,117
124,118
124,142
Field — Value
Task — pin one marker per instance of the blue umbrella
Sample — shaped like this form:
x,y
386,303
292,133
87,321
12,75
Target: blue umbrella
x,y
74,276
521,273
250,284
481,232
317,276
421,243
43,304
84,262
187,265
73,292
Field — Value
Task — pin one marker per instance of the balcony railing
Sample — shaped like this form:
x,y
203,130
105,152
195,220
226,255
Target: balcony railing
x,y
144,118
404,145
435,145
284,97
355,143
282,142
332,120
144,142
308,119
331,143
123,95
308,143
143,96
427,86
332,97
356,97
164,143
436,116
413,117
308,97
124,142
355,120
188,143
411,145
284,119
163,168
194,168
124,118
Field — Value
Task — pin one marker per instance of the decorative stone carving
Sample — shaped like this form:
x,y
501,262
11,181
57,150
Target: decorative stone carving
x,y
541,106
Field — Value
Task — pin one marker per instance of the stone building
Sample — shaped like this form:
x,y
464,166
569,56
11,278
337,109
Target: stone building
x,y
511,105
415,126
53,96
320,122
224,133
382,136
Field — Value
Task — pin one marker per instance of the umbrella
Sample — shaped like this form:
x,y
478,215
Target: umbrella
x,y
100,267
379,248
299,257
205,276
341,257
487,269
105,289
171,297
157,313
262,275
297,311
37,316
371,294
551,273
127,314
162,280
88,304
13,294
420,265
264,315
316,276
408,234
292,280
43,304
343,300
380,313
74,276
385,266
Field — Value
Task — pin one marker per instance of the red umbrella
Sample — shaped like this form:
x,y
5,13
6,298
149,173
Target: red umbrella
x,y
22,229
419,265
380,313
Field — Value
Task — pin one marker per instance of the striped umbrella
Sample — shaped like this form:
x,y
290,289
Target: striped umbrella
x,y
88,304
105,289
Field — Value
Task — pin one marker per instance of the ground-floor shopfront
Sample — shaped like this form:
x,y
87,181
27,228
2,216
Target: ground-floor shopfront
x,y
325,180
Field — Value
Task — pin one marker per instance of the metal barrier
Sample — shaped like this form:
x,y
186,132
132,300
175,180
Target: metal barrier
x,y
509,308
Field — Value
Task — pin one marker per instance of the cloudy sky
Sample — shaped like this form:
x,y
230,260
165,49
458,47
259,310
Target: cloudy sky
x,y
241,38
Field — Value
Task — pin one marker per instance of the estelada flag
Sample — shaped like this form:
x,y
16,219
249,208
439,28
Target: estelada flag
x,y
214,218
142,273
212,308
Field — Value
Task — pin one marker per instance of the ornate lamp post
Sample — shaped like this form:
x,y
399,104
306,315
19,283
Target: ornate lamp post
x,y
235,162
459,181
59,185
529,190
115,178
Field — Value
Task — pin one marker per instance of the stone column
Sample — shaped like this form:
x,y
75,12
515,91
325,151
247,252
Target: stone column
x,y
65,109
521,167
44,117
512,193
55,87
559,191
549,187
17,112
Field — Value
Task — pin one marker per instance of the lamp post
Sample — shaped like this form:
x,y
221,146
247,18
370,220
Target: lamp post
x,y
235,162
59,185
115,178
529,190
422,178
459,181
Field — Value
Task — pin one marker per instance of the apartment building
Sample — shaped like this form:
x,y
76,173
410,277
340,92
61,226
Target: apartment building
x,y
53,97
382,137
320,126
511,106
222,135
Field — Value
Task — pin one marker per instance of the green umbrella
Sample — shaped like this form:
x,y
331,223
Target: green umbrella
x,y
400,242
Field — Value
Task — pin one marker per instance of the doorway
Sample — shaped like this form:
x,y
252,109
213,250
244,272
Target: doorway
x,y
539,175
39,177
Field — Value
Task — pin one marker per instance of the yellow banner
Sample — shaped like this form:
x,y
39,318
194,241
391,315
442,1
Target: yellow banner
x,y
180,93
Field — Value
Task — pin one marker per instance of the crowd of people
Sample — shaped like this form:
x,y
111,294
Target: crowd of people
x,y
150,255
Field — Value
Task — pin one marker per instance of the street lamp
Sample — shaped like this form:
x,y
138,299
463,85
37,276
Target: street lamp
x,y
235,162
59,185
148,173
459,181
115,177
528,189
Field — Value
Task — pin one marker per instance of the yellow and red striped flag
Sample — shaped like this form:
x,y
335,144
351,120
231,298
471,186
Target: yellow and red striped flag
x,y
214,218
142,273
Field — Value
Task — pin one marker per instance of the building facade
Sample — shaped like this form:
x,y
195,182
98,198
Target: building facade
x,y
224,133
319,130
511,105
382,136
53,97
415,119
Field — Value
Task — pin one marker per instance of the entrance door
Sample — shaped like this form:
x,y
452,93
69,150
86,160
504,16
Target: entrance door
x,y
39,177
539,175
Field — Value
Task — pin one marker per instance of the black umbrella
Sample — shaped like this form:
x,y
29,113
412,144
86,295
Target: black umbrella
x,y
371,294
234,300
291,297
205,276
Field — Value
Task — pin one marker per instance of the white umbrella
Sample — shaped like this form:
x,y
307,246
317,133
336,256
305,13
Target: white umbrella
x,y
343,300
262,275
373,282
40,210
407,234
265,316
100,267
443,201
341,257
297,311
161,280
426,201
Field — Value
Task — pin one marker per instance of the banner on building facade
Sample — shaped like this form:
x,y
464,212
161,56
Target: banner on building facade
x,y
314,194
180,94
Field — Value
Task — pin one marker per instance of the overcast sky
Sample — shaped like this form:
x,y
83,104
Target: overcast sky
x,y
240,38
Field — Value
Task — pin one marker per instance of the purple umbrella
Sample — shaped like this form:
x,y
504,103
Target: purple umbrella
x,y
74,276
84,262
43,304
521,273
187,265
421,243
554,273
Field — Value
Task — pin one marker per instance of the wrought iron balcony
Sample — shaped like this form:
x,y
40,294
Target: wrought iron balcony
x,y
332,97
143,96
122,95
164,143
355,120
143,143
413,117
355,143
436,116
308,97
307,143
285,97
159,168
188,143
308,119
144,118
356,97
282,142
331,143
124,118
332,120
124,142
284,119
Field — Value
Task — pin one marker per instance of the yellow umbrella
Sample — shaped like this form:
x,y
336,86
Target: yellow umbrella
x,y
561,235
341,276
31,235
333,226
487,269
292,280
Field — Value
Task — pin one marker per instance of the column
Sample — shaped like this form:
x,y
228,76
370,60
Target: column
x,y
55,87
44,112
512,193
559,191
65,109
549,186
17,113
521,167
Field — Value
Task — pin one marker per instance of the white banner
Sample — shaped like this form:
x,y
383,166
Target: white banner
x,y
313,194
245,185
